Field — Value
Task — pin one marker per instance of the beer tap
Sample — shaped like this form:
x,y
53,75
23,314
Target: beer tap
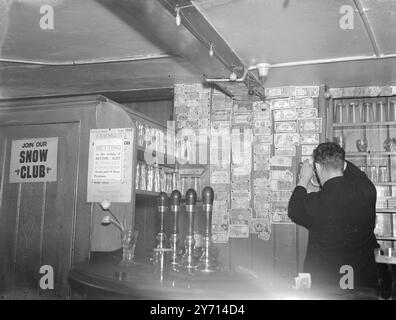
x,y
162,203
175,200
188,257
207,263
162,250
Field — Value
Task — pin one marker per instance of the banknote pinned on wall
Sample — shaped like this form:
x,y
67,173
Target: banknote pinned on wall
x,y
281,185
279,161
305,113
239,203
302,103
280,217
220,237
261,182
280,196
242,106
313,125
277,92
219,225
238,231
262,206
285,175
285,151
240,216
221,195
307,150
280,104
258,225
221,176
286,139
223,115
285,126
285,114
312,138
263,148
304,91
242,119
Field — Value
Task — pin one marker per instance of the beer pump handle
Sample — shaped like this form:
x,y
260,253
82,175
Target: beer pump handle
x,y
175,198
191,197
162,202
207,201
207,196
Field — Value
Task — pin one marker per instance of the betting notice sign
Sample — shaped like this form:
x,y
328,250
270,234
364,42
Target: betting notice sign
x,y
34,160
110,165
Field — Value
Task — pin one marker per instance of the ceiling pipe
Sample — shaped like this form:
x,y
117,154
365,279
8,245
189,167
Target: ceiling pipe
x,y
367,26
87,62
331,60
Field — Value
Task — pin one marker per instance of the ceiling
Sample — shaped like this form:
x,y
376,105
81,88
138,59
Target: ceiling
x,y
103,45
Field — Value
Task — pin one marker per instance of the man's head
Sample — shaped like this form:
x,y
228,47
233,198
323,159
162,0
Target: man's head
x,y
329,161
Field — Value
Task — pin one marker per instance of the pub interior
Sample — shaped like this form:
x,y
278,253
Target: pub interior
x,y
149,148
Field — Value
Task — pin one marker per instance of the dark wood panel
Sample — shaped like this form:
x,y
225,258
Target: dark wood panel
x,y
285,264
27,264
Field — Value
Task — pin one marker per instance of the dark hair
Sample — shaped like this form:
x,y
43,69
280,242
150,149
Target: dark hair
x,y
330,155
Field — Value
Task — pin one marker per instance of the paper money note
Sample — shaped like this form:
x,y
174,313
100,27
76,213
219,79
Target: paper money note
x,y
220,237
313,125
280,196
286,139
261,106
278,161
307,150
312,138
277,92
240,216
281,185
285,126
284,114
305,91
258,225
302,103
307,113
238,231
286,175
285,151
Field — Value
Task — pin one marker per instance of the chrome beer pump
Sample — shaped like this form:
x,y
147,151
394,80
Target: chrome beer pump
x,y
175,200
207,263
162,250
188,260
162,203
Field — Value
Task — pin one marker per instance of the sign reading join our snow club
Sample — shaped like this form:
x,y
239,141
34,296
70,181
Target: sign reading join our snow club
x,y
34,160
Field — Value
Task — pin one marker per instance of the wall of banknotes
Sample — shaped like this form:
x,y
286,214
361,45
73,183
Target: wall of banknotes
x,y
254,151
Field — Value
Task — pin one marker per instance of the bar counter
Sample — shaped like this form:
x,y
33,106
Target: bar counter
x,y
109,281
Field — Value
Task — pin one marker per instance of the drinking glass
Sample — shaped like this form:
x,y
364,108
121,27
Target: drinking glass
x,y
128,240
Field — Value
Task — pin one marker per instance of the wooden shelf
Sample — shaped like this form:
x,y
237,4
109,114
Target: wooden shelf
x,y
384,183
386,210
386,238
370,153
364,124
147,193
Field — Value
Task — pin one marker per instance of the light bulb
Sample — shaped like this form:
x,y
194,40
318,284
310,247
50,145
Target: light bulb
x,y
233,76
178,19
211,50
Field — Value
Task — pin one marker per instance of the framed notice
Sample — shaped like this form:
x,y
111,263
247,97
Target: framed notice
x,y
34,160
110,165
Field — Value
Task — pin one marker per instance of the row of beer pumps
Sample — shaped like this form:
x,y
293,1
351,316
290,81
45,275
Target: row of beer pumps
x,y
167,252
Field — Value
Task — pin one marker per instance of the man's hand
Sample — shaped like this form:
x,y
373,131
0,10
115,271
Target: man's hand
x,y
306,174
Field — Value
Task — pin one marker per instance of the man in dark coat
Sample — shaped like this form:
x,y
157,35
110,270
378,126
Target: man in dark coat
x,y
340,219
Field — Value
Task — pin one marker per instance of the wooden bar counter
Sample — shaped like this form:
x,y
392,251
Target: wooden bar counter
x,y
109,281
